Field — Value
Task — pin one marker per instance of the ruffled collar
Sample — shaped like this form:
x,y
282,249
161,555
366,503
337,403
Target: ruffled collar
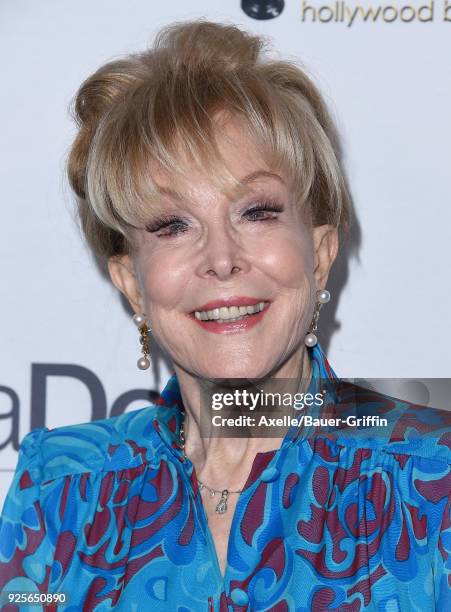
x,y
168,424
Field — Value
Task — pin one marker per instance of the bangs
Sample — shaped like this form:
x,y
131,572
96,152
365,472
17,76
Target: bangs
x,y
173,125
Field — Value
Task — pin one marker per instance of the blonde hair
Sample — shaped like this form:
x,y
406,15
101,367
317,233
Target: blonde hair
x,y
140,112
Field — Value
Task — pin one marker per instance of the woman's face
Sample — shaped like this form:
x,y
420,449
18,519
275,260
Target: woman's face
x,y
208,249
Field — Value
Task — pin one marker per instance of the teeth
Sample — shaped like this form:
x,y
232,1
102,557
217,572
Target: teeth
x,y
225,313
213,314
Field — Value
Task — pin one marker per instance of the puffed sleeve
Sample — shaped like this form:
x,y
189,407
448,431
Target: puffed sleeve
x,y
442,559
25,549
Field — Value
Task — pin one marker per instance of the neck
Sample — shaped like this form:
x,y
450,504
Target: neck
x,y
225,462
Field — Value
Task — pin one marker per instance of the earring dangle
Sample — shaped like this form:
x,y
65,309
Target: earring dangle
x,y
139,320
322,297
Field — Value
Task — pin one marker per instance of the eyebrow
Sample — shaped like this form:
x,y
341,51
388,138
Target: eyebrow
x,y
249,178
261,173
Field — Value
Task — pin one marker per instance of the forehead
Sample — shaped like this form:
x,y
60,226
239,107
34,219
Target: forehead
x,y
240,167
206,185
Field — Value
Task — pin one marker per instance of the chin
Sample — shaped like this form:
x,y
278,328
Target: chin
x,y
236,371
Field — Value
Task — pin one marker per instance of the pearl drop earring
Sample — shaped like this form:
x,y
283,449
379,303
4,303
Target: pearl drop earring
x,y
139,320
322,297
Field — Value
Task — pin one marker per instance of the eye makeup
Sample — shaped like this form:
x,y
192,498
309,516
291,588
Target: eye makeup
x,y
162,222
260,210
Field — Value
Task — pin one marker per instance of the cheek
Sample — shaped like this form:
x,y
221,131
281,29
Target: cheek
x,y
164,279
284,257
288,259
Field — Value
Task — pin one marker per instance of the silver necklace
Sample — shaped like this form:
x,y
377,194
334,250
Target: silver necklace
x,y
221,507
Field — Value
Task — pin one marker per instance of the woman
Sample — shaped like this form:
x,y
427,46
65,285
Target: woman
x,y
209,187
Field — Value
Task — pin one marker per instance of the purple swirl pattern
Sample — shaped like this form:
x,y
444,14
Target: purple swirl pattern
x,y
109,513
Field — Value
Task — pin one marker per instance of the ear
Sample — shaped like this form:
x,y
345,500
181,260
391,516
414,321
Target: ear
x,y
123,275
325,242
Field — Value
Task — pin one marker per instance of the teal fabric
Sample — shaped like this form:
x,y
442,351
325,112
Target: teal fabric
x,y
109,513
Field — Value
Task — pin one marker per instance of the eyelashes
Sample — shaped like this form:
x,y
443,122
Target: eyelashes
x,y
263,208
165,222
171,225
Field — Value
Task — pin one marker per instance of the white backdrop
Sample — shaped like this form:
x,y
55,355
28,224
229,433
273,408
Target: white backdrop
x,y
388,84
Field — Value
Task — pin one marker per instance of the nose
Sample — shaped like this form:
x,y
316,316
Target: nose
x,y
222,255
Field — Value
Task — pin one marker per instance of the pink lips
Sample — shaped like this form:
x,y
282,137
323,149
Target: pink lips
x,y
233,326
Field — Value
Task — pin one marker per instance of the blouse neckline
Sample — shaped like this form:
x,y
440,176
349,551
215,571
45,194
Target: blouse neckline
x,y
323,379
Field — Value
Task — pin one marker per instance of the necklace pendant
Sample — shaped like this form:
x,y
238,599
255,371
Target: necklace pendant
x,y
221,508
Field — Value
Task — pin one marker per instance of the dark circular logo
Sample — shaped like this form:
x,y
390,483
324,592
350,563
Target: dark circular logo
x,y
262,9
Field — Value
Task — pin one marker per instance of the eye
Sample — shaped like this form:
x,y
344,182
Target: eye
x,y
264,211
167,226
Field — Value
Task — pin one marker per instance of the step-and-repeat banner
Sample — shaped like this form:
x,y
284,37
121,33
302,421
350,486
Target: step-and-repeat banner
x,y
68,347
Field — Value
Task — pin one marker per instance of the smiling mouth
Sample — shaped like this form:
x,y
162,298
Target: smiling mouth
x,y
229,314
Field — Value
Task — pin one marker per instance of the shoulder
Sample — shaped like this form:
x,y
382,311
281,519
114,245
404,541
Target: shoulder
x,y
393,425
115,443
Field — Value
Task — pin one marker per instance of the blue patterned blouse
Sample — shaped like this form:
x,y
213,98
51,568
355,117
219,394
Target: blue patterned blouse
x,y
109,513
